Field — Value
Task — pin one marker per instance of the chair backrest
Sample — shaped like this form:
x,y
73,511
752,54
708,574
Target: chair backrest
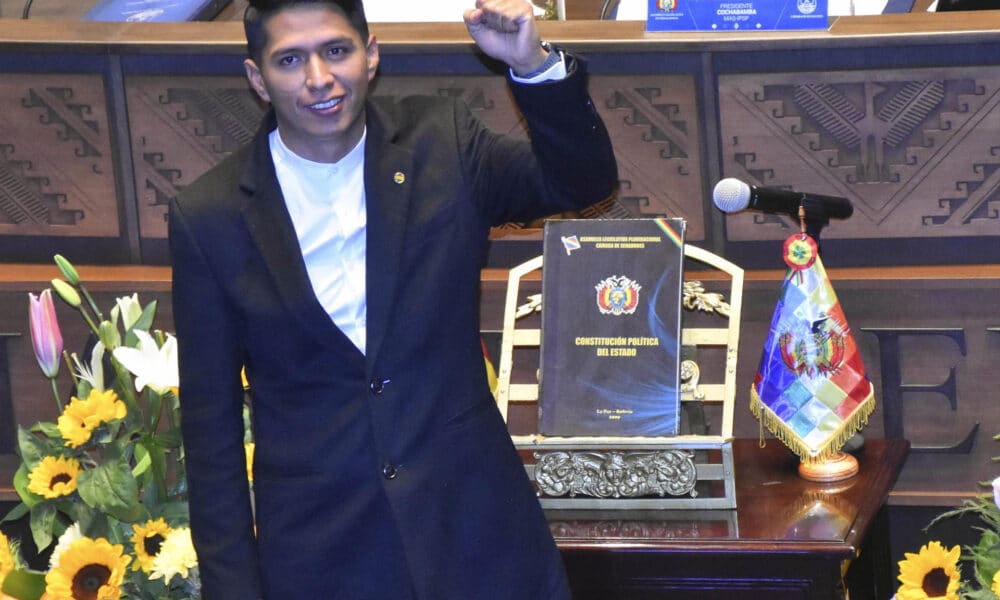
x,y
704,383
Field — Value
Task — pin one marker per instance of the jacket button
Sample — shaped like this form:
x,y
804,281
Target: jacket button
x,y
389,471
377,386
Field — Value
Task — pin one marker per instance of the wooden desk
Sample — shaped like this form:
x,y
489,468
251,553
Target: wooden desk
x,y
787,539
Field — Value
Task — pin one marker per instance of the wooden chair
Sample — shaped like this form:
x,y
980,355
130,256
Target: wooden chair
x,y
691,470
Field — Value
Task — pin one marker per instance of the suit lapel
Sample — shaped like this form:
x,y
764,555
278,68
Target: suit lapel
x,y
271,228
387,196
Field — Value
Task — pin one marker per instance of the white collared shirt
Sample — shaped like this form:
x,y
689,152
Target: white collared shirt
x,y
327,204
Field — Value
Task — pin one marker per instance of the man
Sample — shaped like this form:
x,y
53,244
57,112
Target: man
x,y
337,257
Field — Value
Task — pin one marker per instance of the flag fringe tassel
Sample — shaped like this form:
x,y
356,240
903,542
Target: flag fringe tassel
x,y
788,437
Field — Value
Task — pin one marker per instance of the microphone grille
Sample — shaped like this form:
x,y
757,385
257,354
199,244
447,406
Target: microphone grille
x,y
731,195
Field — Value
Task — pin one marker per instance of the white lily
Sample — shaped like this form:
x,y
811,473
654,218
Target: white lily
x,y
996,491
129,308
93,373
153,366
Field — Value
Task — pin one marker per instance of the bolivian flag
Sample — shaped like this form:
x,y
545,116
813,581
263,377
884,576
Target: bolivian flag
x,y
811,390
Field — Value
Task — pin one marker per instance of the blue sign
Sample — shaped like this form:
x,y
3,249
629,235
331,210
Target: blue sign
x,y
736,15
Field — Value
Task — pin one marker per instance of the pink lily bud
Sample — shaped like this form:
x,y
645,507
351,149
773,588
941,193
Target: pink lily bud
x,y
45,335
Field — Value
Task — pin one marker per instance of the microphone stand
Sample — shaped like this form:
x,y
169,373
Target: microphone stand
x,y
812,219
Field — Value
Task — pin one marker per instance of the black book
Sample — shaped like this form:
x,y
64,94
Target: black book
x,y
611,296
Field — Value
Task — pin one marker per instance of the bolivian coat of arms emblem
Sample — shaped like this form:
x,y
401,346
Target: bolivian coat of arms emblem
x,y
617,295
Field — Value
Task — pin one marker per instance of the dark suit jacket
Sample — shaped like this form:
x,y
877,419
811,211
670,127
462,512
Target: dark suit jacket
x,y
390,474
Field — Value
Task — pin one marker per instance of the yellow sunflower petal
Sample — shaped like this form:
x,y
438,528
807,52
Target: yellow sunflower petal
x,y
81,417
931,573
6,558
147,540
73,425
88,570
54,476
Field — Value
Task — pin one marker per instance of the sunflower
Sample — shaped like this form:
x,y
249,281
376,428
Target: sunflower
x,y
176,557
6,558
81,417
147,540
996,583
55,476
933,573
88,570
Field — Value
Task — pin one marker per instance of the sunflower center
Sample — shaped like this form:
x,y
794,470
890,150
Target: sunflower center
x,y
151,544
936,583
60,478
89,580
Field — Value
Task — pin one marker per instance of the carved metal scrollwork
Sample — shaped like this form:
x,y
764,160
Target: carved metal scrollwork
x,y
616,474
696,298
690,375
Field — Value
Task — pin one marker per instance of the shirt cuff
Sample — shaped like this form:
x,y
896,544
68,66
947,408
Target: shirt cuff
x,y
554,72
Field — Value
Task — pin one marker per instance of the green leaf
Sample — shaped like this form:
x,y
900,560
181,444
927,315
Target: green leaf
x,y
155,403
170,438
145,321
986,557
156,489
24,585
49,430
16,513
43,524
142,460
81,514
31,449
21,487
111,488
173,512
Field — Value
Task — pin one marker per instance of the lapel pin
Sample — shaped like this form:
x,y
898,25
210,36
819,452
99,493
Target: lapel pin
x,y
399,177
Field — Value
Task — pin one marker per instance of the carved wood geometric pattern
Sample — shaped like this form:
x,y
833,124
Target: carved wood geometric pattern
x,y
916,151
56,174
654,124
181,127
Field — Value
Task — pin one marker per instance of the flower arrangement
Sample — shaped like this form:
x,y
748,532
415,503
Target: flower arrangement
x,y
104,483
935,571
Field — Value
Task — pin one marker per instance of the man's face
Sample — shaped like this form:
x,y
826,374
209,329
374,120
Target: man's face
x,y
315,71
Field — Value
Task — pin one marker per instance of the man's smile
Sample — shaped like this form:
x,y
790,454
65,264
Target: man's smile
x,y
325,104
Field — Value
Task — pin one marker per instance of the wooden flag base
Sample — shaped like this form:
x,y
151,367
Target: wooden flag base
x,y
838,467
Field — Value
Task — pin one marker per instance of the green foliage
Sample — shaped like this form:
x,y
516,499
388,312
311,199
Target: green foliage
x,y
131,466
21,583
984,556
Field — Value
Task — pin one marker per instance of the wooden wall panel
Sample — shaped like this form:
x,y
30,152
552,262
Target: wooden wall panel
x,y
915,151
180,127
56,163
655,125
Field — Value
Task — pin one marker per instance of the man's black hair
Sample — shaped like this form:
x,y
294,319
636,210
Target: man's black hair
x,y
258,11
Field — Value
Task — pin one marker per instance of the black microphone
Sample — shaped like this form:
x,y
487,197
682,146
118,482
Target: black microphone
x,y
733,195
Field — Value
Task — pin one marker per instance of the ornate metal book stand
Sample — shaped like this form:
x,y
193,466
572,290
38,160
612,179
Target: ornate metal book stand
x,y
692,470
